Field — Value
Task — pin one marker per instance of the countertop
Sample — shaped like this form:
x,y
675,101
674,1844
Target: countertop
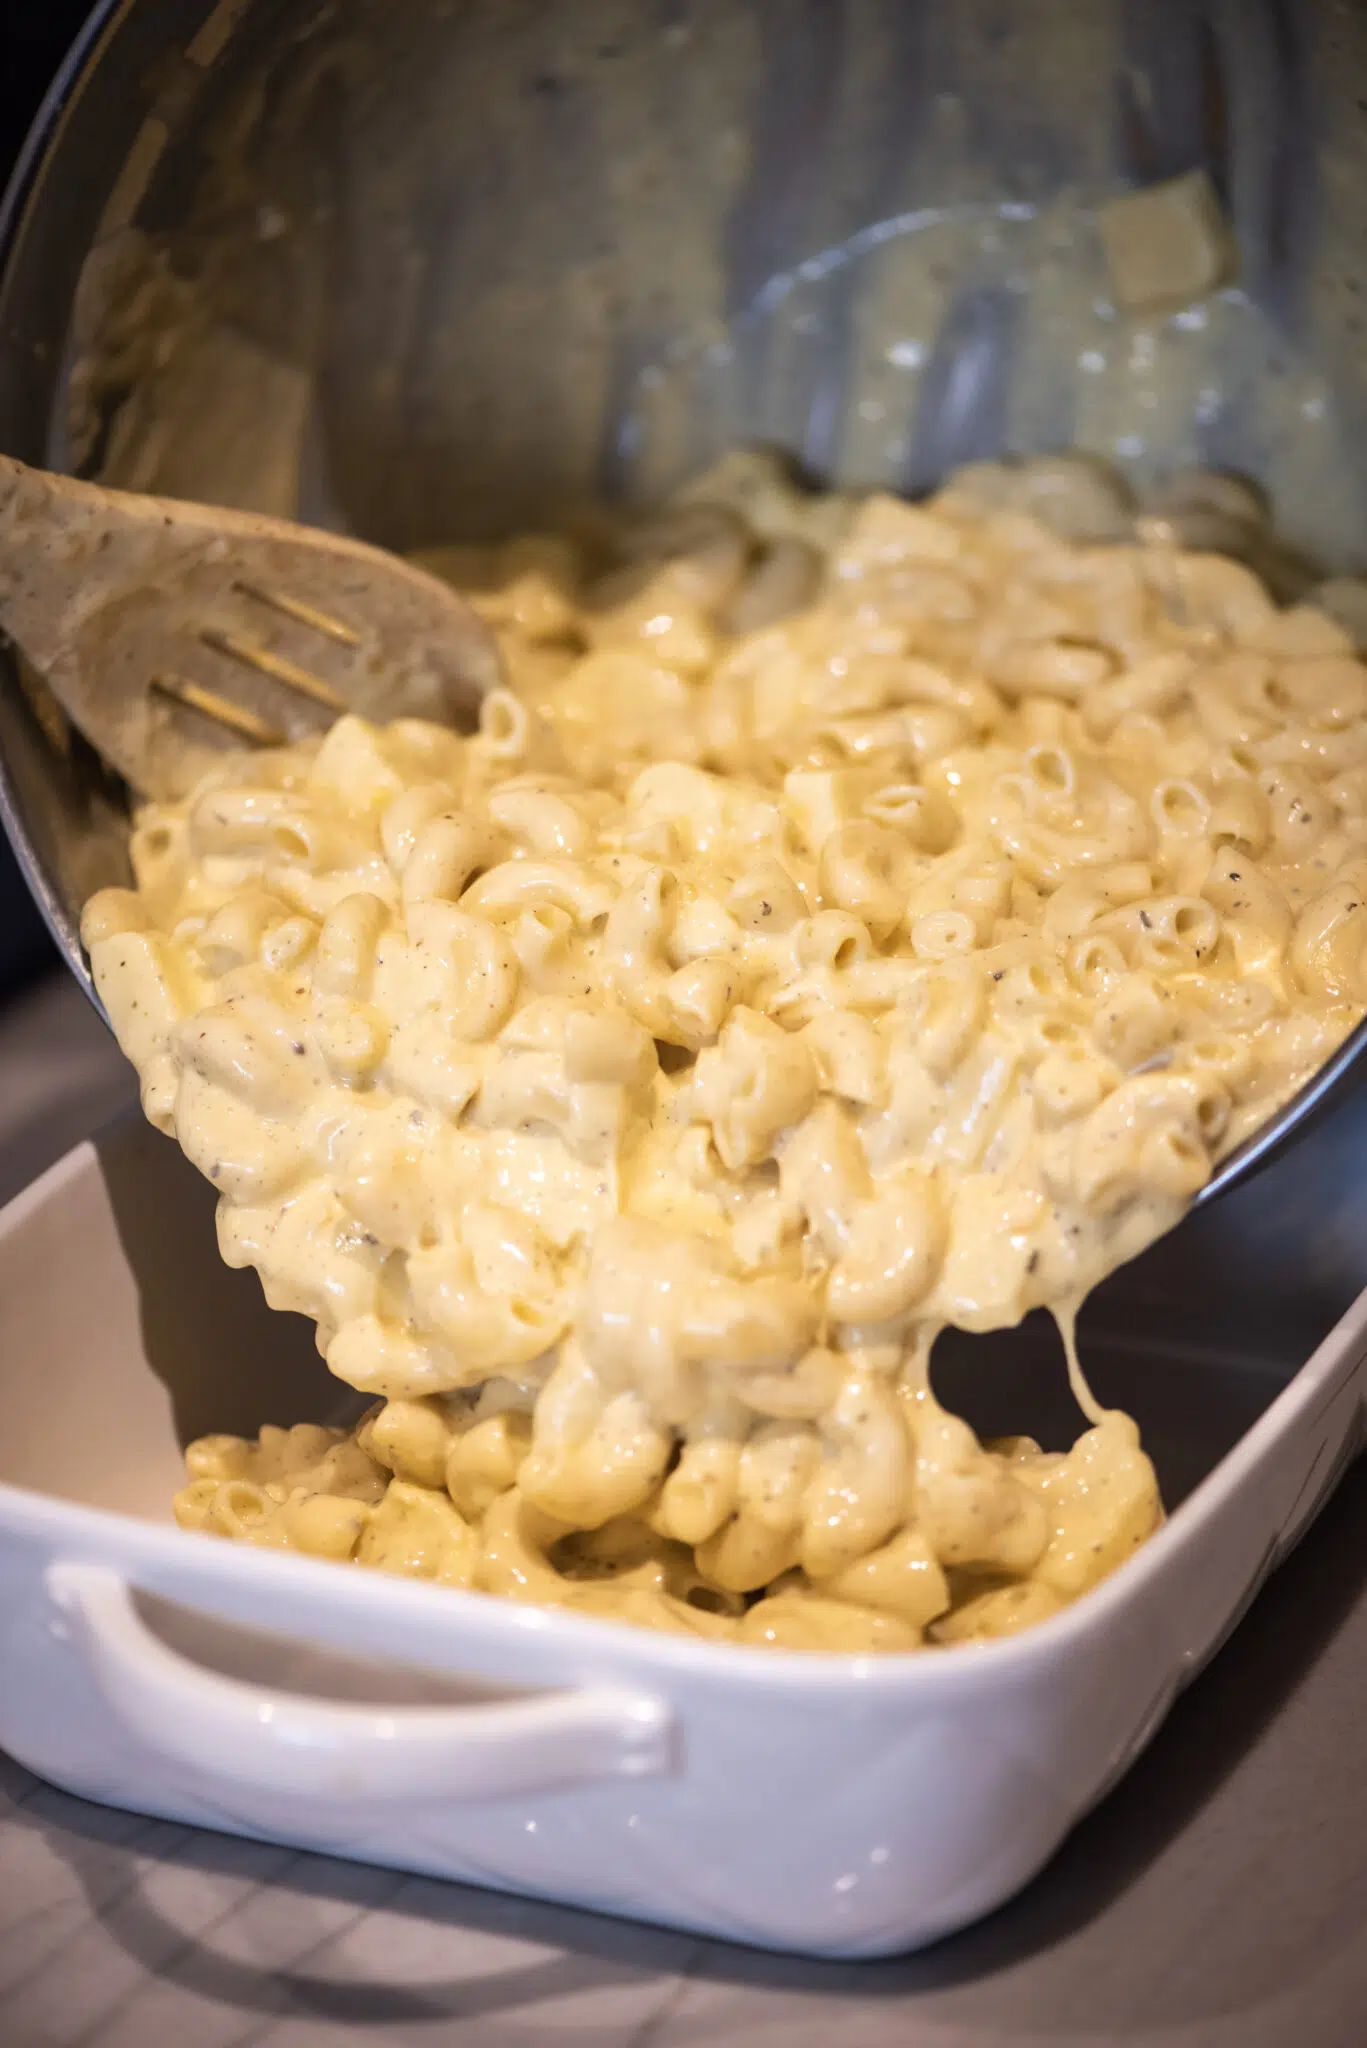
x,y
1217,1899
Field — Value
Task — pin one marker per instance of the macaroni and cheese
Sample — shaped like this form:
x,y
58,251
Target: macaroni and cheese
x,y
851,918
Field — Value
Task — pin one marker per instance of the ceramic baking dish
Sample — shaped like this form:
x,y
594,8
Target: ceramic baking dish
x,y
839,1806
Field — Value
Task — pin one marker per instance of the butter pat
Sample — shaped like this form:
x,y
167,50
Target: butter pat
x,y
1167,245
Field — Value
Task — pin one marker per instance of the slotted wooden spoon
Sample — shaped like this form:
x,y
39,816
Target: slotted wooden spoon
x,y
167,631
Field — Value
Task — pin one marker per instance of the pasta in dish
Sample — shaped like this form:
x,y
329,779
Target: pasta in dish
x,y
852,918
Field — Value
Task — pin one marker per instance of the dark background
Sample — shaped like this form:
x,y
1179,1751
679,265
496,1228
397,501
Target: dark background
x,y
34,37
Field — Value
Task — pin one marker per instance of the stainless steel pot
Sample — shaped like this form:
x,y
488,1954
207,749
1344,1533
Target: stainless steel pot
x,y
426,268
431,269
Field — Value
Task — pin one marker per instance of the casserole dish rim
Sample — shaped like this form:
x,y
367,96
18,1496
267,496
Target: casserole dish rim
x,y
943,1672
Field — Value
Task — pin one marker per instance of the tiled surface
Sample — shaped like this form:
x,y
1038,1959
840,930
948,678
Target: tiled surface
x,y
1217,1900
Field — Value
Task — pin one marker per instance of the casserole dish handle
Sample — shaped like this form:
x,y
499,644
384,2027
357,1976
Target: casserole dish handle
x,y
250,1737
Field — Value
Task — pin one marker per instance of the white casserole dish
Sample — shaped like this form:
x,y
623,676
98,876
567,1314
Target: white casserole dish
x,y
837,1806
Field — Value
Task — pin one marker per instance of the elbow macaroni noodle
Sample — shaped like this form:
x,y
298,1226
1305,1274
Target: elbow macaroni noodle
x,y
852,918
